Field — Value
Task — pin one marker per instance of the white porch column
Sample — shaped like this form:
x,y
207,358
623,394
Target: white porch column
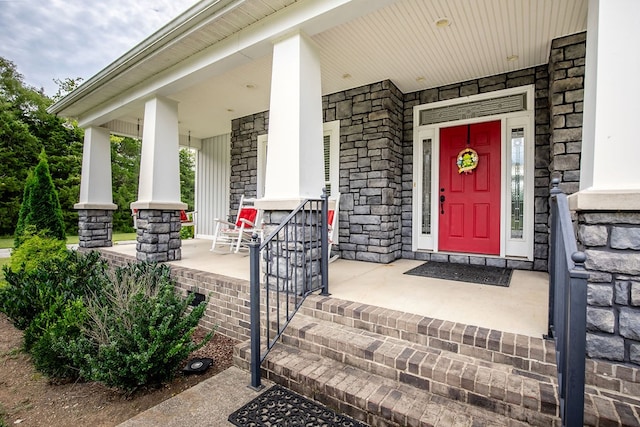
x,y
611,111
158,204
294,168
159,185
95,184
608,203
95,207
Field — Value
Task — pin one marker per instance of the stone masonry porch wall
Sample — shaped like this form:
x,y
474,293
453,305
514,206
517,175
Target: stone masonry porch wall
x,y
244,157
370,223
566,96
370,168
611,241
537,76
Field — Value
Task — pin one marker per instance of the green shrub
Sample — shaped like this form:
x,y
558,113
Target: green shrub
x,y
35,249
127,329
31,292
48,335
186,232
138,331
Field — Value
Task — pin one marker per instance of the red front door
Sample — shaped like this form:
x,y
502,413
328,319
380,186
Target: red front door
x,y
470,202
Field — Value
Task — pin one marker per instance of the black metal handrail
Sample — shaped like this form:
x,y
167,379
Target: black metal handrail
x,y
567,309
295,263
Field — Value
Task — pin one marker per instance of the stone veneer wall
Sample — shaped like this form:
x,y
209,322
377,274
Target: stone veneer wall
x,y
227,310
371,164
611,241
244,157
95,228
158,235
370,167
566,92
540,78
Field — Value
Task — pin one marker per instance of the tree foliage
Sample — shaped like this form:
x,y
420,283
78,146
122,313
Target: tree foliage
x,y
125,170
40,207
25,129
187,177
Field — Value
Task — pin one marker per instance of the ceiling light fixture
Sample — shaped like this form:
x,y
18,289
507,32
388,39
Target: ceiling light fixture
x,y
420,79
346,76
230,110
250,86
512,58
443,23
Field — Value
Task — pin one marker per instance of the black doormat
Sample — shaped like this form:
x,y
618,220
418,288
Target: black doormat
x,y
280,407
482,274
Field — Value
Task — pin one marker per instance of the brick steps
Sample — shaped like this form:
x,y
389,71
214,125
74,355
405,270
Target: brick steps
x,y
392,368
455,376
530,354
371,398
522,352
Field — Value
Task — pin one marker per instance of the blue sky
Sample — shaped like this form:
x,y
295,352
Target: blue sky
x,y
56,39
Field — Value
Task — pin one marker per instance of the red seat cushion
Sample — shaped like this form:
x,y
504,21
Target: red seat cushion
x,y
183,217
247,213
330,216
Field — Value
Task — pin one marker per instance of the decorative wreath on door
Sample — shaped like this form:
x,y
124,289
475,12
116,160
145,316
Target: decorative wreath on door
x,y
467,160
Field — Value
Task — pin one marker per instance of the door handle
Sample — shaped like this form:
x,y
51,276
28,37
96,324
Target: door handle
x,y
442,204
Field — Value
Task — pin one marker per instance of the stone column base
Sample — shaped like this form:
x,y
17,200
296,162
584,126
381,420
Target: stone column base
x,y
294,264
611,241
158,235
95,227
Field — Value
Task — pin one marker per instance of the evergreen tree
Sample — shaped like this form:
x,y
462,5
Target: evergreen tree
x,y
24,210
41,206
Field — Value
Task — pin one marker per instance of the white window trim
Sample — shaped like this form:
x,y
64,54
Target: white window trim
x,y
329,128
262,165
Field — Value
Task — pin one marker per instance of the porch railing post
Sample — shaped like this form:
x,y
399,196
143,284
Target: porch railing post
x,y
553,256
576,330
324,243
254,296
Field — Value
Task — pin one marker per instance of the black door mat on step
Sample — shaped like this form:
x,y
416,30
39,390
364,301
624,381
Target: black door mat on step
x,y
482,274
281,407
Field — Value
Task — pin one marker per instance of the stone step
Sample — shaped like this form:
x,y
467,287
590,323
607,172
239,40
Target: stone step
x,y
371,398
520,351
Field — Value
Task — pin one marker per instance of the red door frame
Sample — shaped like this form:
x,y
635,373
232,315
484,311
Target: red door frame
x,y
469,203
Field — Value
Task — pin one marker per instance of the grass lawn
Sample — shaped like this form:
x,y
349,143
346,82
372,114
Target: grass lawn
x,y
7,242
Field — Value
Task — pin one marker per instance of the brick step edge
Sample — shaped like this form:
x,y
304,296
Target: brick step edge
x,y
601,407
447,374
520,351
377,400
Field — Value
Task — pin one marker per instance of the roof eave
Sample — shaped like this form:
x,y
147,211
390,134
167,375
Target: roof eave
x,y
205,9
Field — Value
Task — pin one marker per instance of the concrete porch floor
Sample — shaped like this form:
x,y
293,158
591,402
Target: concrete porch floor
x,y
520,308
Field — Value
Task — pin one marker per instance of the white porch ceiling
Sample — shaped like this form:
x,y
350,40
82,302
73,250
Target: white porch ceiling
x,y
399,41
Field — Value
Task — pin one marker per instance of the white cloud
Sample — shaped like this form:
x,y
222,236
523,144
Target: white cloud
x,y
56,39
